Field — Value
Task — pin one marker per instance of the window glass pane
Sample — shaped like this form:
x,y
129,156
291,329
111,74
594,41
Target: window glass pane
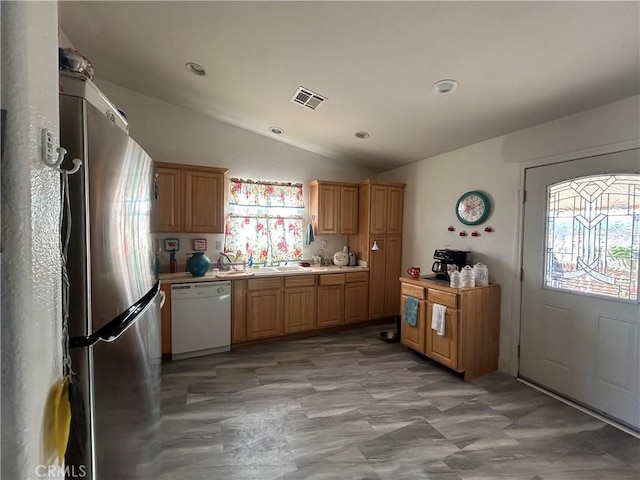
x,y
593,235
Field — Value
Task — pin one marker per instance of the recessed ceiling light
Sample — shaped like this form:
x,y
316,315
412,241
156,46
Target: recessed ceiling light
x,y
196,69
361,135
276,130
443,87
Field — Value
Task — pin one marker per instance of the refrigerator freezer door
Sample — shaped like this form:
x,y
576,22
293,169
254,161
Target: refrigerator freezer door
x,y
110,269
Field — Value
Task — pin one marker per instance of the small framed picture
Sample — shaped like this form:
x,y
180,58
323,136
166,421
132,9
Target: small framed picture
x,y
199,244
171,244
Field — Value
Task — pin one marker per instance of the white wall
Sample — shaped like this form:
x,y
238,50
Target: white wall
x,y
495,167
170,133
31,321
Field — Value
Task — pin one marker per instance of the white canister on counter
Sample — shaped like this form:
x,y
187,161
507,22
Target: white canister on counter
x,y
341,259
481,273
455,281
467,279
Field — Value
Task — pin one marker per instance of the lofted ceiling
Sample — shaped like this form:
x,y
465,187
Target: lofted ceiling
x,y
517,64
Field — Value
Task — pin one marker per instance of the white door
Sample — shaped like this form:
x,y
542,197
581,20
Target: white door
x,y
580,316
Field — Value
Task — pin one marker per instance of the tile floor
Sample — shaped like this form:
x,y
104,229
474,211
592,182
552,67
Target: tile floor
x,y
349,406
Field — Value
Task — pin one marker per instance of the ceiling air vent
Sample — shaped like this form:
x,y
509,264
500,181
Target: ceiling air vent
x,y
307,98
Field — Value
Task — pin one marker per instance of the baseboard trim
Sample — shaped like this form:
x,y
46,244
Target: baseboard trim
x,y
310,333
583,409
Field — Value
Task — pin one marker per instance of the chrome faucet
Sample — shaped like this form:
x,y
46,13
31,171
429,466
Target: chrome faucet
x,y
269,256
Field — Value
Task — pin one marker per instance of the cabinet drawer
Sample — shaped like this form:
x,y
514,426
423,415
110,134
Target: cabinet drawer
x,y
300,281
264,283
357,277
332,279
443,298
414,291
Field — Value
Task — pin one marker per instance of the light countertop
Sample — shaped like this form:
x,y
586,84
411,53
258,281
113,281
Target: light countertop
x,y
216,276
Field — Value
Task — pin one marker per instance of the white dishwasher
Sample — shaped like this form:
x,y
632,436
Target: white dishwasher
x,y
200,319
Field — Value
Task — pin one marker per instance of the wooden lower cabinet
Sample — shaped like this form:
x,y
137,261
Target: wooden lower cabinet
x,y
472,325
413,336
330,298
384,270
264,312
356,302
299,304
444,348
270,307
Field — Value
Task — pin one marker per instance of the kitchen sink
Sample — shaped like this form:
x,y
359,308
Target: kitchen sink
x,y
290,268
265,270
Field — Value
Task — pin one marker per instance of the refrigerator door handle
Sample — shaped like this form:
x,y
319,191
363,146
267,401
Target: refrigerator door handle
x,y
116,327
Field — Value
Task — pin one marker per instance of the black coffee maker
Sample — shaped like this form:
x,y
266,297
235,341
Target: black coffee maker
x,y
445,257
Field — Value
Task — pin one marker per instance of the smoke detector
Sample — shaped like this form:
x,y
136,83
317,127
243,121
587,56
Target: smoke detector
x,y
307,98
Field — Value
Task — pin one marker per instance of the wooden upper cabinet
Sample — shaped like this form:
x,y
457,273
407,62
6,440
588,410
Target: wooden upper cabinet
x,y
204,202
166,207
328,210
348,209
387,203
188,199
395,204
335,207
379,209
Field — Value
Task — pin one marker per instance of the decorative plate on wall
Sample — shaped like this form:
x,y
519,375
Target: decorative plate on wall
x,y
473,208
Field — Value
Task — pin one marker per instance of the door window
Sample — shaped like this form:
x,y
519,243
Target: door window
x,y
593,236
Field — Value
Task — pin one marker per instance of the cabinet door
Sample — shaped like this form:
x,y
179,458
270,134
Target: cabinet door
x,y
165,322
379,205
166,208
395,200
299,309
446,348
413,337
238,311
204,202
328,209
356,302
348,210
377,284
330,306
393,261
264,314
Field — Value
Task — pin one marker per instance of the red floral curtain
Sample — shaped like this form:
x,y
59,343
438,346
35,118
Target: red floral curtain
x,y
265,194
257,236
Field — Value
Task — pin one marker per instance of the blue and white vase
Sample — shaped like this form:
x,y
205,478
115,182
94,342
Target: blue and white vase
x,y
198,264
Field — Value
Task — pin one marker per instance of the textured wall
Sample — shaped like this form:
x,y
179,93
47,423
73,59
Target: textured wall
x,y
31,320
494,166
169,133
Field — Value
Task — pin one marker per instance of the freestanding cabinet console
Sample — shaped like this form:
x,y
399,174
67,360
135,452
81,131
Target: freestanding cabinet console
x,y
472,325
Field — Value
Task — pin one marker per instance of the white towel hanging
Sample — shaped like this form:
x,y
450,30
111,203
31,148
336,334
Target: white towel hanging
x,y
437,318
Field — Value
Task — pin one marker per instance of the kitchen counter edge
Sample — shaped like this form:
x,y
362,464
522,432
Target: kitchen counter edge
x,y
185,277
431,282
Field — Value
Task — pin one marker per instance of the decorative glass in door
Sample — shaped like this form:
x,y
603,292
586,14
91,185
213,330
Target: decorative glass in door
x,y
593,236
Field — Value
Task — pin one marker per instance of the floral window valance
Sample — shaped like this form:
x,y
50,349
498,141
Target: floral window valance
x,y
265,194
260,236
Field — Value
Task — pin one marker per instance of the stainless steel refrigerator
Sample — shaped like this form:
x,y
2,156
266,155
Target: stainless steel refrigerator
x,y
114,315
